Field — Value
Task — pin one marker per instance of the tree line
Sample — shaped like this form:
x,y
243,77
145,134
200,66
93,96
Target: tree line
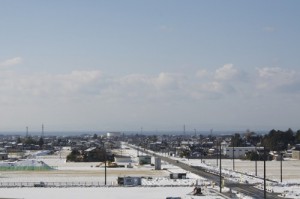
x,y
275,140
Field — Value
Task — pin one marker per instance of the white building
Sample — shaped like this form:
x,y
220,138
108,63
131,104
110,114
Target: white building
x,y
113,134
240,152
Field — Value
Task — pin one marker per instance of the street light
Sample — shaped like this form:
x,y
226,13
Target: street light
x,y
105,160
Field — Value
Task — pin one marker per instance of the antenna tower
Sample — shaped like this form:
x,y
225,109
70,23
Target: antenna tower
x,y
26,131
42,130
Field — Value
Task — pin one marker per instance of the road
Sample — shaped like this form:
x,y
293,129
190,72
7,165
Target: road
x,y
246,189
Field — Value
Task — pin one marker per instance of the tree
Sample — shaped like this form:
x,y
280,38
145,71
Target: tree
x,y
95,136
19,140
297,137
29,140
73,156
236,140
278,140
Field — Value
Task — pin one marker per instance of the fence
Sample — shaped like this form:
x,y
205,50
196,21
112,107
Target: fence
x,y
72,184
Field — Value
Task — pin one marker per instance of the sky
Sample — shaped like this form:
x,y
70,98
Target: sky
x,y
156,65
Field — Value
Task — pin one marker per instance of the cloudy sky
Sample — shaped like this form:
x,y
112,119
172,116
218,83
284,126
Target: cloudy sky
x,y
123,65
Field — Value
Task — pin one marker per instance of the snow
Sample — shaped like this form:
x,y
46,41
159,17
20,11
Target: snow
x,y
156,182
104,192
245,173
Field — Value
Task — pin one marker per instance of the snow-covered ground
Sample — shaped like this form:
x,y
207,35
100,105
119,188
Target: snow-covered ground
x,y
158,186
156,183
245,173
104,192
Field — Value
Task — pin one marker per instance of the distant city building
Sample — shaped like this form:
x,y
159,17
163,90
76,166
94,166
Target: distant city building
x,y
113,134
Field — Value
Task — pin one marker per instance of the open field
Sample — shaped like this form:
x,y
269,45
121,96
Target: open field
x,y
290,168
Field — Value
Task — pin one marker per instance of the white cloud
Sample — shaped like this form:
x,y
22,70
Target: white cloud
x,y
91,95
227,72
274,77
201,73
167,81
11,62
48,85
83,85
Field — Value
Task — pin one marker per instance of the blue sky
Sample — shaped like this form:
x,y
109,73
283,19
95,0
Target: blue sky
x,y
123,65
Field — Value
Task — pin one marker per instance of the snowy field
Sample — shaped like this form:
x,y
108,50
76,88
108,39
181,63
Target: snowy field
x,y
156,183
245,173
104,192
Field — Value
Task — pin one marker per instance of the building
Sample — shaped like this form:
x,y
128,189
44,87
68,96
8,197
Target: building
x,y
130,181
144,159
240,152
3,156
177,174
122,159
113,134
157,163
296,152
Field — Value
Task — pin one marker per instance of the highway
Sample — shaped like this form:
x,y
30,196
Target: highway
x,y
246,189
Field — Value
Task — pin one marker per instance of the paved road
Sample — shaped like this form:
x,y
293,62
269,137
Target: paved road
x,y
246,189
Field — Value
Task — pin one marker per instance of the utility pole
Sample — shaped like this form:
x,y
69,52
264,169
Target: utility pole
x,y
105,169
255,161
105,159
217,154
26,131
42,130
265,193
220,169
281,158
233,150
